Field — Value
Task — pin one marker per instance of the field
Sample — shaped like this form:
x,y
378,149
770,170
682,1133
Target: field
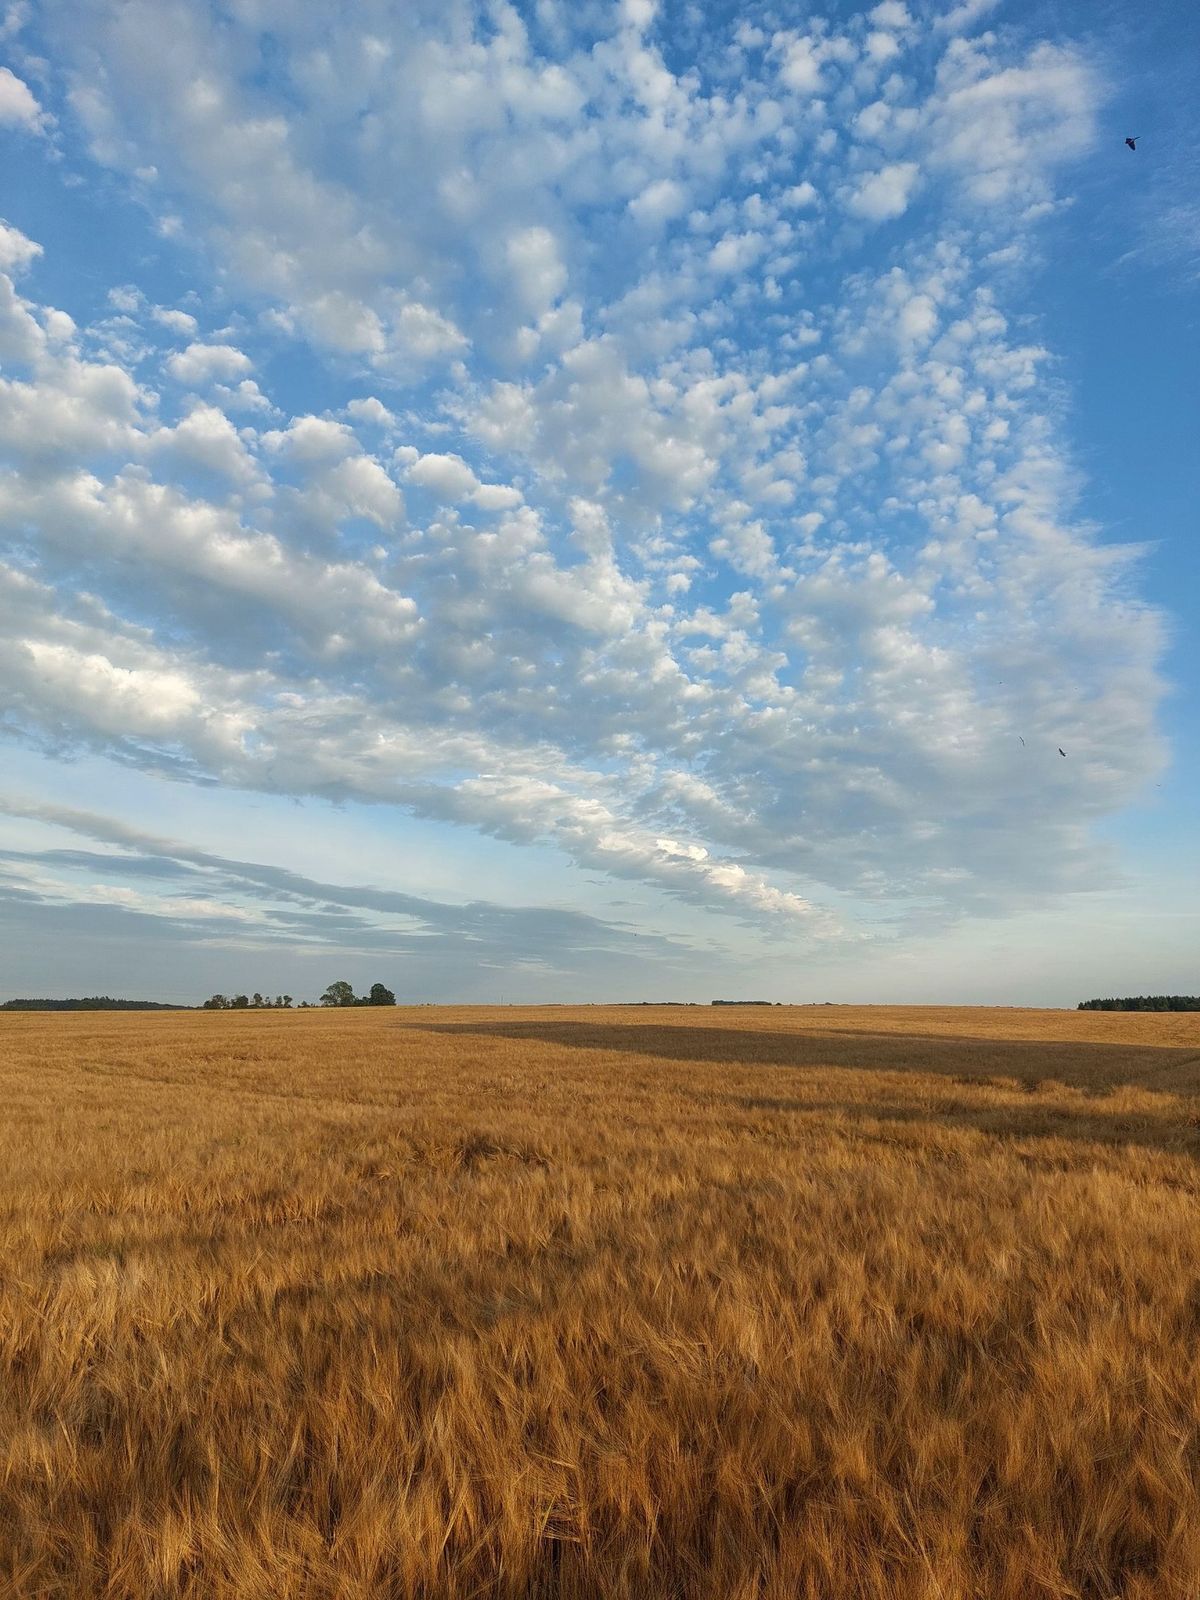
x,y
825,1302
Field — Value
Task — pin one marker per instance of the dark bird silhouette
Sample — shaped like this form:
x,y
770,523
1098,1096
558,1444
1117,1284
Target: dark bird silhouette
x,y
1132,143
1019,737
1061,751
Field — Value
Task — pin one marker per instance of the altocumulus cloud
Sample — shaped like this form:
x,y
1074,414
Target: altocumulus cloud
x,y
685,492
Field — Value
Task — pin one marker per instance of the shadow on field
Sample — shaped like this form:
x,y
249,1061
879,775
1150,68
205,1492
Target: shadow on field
x,y
1174,1133
1085,1065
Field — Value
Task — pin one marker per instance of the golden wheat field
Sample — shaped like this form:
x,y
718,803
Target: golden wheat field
x,y
823,1302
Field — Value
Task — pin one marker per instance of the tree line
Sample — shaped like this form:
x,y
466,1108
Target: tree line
x,y
1144,1002
340,993
91,1002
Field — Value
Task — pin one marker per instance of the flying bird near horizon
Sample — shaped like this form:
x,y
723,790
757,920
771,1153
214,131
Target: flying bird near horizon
x,y
1132,142
1061,751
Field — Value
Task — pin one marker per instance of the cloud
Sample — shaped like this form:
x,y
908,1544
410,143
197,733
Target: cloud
x,y
801,67
535,270
718,542
962,17
1004,128
891,14
659,202
312,439
141,885
176,321
450,478
422,334
18,107
372,411
799,196
202,363
16,251
206,438
884,195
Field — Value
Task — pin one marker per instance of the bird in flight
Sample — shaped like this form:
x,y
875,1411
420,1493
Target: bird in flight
x,y
1019,737
1061,751
1132,143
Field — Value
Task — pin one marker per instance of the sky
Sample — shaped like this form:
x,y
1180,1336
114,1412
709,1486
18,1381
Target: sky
x,y
608,500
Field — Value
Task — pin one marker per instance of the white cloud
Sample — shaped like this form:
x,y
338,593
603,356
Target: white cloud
x,y
111,696
595,837
884,195
207,561
882,47
313,439
537,273
801,68
445,476
16,251
497,497
917,319
422,334
372,411
800,196
176,321
453,481
202,363
891,14
659,202
962,17
245,396
18,107
721,519
346,323
79,408
205,437
357,486
1003,129
736,252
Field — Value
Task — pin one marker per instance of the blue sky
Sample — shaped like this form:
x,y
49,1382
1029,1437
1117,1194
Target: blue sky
x,y
598,501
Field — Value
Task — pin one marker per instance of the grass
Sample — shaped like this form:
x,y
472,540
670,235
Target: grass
x,y
834,1303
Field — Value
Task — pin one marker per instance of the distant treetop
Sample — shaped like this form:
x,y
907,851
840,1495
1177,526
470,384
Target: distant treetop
x,y
340,993
337,994
1145,1002
95,1002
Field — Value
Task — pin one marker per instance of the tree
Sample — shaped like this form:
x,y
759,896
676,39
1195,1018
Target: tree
x,y
1144,1002
240,1001
257,999
287,1000
380,996
338,994
217,1003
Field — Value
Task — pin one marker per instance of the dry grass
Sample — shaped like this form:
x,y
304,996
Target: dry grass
x,y
828,1303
